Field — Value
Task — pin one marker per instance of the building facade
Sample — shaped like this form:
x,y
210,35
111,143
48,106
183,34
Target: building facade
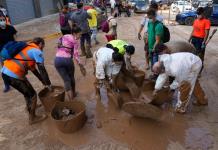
x,y
20,11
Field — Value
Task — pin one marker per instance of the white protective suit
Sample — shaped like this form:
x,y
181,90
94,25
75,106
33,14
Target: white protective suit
x,y
183,66
104,63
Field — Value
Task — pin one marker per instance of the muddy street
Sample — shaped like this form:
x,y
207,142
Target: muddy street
x,y
108,127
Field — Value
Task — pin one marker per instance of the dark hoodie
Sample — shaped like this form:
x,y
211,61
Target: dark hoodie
x,y
80,18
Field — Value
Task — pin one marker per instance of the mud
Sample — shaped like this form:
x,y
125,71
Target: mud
x,y
118,130
180,46
64,114
69,116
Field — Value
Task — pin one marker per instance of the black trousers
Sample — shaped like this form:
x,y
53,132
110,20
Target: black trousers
x,y
23,86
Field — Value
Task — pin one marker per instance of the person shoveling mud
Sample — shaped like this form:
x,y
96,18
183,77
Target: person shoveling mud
x,y
123,48
107,64
185,67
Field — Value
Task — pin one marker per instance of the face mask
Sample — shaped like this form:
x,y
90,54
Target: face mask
x,y
2,24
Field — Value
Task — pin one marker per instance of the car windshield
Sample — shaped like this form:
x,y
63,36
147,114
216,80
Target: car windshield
x,y
215,10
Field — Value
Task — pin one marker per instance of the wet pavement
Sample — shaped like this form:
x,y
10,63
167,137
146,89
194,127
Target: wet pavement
x,y
108,127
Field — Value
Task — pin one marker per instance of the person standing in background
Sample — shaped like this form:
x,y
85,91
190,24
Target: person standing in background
x,y
7,33
144,24
155,35
112,28
200,33
64,21
93,24
80,18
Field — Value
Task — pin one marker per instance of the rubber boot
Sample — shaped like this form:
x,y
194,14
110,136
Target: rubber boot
x,y
69,95
33,118
200,95
88,51
83,50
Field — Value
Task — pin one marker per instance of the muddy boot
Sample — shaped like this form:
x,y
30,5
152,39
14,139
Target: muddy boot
x,y
70,95
33,118
88,51
83,50
97,89
200,95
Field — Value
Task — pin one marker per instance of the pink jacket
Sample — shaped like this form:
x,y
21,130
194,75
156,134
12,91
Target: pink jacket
x,y
68,47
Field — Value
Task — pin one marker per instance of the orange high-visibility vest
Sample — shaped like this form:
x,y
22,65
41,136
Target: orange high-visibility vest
x,y
18,65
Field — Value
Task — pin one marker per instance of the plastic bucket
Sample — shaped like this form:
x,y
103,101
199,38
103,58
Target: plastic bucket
x,y
49,99
73,124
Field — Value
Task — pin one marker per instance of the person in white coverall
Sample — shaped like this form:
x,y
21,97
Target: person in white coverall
x,y
113,3
107,64
185,67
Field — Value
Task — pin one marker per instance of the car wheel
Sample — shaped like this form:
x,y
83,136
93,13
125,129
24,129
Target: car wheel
x,y
181,22
189,21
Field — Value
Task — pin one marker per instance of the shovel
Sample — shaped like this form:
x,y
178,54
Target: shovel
x,y
211,36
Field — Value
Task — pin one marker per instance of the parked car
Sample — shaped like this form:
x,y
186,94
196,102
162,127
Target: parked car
x,y
139,5
181,6
188,18
201,3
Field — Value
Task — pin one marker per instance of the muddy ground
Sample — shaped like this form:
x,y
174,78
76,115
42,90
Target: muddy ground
x,y
109,128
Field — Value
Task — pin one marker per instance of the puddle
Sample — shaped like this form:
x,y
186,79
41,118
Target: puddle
x,y
198,138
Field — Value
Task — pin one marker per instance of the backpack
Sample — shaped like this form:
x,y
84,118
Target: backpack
x,y
105,26
11,49
62,20
166,33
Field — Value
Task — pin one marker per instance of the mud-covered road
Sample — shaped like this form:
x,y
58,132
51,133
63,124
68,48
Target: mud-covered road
x,y
109,128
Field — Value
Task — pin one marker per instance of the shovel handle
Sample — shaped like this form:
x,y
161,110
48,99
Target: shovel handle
x,y
212,34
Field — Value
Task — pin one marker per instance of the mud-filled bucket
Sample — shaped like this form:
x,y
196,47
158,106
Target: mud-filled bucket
x,y
49,98
69,116
161,97
139,77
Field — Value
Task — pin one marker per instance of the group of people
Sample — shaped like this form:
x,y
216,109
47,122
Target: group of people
x,y
108,60
185,66
85,17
